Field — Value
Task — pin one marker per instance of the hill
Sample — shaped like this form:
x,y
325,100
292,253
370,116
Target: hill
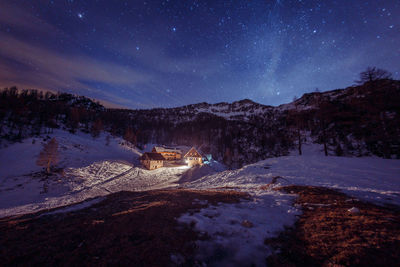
x,y
356,121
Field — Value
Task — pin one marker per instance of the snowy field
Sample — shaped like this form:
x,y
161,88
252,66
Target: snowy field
x,y
368,178
93,169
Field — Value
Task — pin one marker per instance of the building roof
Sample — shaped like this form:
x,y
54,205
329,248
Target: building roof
x,y
166,149
152,156
193,153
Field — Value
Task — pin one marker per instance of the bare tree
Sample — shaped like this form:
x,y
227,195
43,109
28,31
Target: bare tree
x,y
372,74
49,155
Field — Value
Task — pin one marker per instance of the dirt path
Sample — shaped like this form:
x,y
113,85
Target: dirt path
x,y
328,234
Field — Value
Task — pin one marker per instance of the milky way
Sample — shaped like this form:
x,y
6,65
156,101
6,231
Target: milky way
x,y
143,54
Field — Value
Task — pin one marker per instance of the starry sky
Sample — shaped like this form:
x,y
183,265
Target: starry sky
x,y
144,54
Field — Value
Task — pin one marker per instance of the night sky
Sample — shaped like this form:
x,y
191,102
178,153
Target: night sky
x,y
143,54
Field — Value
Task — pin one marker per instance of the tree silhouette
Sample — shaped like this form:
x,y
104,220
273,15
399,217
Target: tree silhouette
x,y
297,120
372,74
322,116
130,136
49,155
96,129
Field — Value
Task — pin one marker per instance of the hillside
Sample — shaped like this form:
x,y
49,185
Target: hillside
x,y
356,121
88,168
359,121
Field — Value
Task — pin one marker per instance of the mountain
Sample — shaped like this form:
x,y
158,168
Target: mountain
x,y
356,121
360,121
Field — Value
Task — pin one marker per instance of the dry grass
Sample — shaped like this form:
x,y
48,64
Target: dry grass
x,y
327,234
134,229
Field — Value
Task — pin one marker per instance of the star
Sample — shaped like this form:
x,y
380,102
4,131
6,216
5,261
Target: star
x,y
236,49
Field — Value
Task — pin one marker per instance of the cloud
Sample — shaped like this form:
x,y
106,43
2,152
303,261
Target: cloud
x,y
38,64
41,67
32,64
18,18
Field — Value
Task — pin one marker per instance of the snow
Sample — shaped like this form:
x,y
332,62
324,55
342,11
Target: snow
x,y
76,150
372,179
166,149
237,232
198,172
76,207
91,169
368,178
354,210
234,110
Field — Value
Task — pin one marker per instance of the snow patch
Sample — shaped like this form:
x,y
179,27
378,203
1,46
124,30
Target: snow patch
x,y
354,210
76,207
237,231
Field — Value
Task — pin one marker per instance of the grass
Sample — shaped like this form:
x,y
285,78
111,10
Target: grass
x,y
327,234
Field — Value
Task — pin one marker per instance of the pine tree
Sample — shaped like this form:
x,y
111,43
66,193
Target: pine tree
x,y
49,155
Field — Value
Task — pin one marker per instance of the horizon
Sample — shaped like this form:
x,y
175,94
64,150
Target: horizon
x,y
116,106
169,54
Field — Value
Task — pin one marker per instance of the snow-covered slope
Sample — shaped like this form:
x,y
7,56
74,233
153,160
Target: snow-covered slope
x,y
369,178
76,150
91,168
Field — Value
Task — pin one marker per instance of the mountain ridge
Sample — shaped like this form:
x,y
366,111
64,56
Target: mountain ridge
x,y
356,121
